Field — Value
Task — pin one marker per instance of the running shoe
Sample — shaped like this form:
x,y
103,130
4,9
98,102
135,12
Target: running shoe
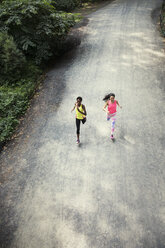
x,y
78,142
112,137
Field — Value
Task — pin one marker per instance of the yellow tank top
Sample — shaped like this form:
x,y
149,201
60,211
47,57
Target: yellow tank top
x,y
78,114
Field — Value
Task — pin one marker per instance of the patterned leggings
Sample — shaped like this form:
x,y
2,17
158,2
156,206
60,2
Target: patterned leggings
x,y
113,118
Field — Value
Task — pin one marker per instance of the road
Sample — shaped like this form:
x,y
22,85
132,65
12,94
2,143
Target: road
x,y
55,194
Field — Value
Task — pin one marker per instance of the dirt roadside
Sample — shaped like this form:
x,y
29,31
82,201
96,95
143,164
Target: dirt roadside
x,y
88,8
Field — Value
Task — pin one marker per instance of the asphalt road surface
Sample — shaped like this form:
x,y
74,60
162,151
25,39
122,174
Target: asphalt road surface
x,y
100,194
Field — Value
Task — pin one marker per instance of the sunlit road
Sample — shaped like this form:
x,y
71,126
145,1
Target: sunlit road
x,y
55,194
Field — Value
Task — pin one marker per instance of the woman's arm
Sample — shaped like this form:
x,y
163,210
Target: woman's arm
x,y
104,108
118,104
73,108
85,112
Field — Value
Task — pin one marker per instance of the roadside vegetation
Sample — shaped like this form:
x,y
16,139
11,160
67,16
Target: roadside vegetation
x,y
162,19
31,33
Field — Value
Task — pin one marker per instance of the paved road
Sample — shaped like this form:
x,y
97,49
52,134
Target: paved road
x,y
101,194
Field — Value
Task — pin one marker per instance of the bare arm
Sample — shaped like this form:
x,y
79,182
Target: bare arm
x,y
118,104
104,108
73,108
85,112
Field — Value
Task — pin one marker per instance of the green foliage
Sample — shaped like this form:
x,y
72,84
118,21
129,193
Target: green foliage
x,y
67,5
12,60
13,103
37,28
7,126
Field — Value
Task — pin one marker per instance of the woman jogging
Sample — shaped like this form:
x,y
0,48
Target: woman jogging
x,y
80,115
111,103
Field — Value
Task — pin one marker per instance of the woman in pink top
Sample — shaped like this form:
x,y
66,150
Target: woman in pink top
x,y
111,103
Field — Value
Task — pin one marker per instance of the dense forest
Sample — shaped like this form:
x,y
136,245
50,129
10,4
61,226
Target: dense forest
x,y
31,33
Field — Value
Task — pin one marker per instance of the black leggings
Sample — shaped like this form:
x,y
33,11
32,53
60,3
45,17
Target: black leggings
x,y
78,125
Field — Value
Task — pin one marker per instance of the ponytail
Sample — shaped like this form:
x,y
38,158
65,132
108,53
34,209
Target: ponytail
x,y
107,97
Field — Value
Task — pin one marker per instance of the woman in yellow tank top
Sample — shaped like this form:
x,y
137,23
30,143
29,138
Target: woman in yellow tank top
x,y
80,115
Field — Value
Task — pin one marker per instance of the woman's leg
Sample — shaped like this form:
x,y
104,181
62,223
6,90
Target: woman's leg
x,y
113,124
78,128
108,117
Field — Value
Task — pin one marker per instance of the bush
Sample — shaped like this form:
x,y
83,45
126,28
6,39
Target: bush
x,y
12,60
7,126
37,28
67,5
14,101
13,104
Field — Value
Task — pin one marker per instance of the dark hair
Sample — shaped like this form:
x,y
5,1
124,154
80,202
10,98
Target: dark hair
x,y
79,98
108,96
